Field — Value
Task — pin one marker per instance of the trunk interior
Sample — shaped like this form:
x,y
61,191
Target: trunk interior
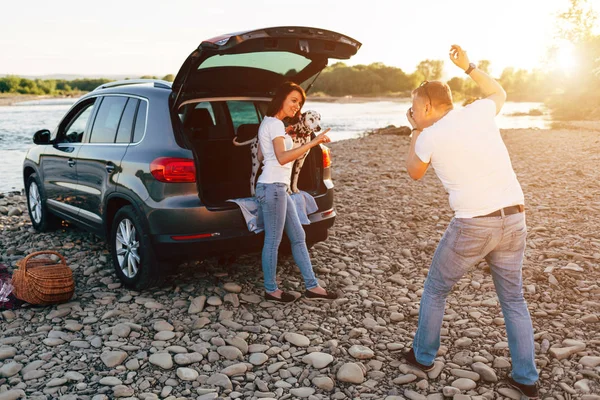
x,y
224,169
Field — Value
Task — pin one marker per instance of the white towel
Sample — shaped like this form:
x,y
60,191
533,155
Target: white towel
x,y
305,205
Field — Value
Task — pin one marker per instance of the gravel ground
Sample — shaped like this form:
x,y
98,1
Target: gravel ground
x,y
207,333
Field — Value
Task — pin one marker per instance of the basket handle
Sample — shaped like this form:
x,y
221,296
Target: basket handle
x,y
23,263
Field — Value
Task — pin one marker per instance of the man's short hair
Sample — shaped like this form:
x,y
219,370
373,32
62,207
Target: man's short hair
x,y
438,93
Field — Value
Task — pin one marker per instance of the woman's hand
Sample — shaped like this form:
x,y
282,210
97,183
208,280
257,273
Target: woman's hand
x,y
321,138
285,156
459,57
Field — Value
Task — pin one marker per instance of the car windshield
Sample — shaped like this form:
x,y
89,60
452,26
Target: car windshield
x,y
280,62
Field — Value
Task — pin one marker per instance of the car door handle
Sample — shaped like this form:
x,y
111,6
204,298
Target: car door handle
x,y
110,167
71,162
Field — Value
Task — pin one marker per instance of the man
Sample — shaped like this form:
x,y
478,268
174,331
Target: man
x,y
466,150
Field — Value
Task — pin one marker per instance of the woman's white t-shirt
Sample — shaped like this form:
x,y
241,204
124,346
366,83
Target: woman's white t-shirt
x,y
272,171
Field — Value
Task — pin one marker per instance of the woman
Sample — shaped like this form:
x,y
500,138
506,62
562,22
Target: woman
x,y
279,210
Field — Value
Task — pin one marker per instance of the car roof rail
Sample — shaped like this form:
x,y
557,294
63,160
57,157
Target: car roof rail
x,y
157,83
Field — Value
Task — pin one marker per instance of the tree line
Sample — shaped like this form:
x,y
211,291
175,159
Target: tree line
x,y
338,79
57,87
380,80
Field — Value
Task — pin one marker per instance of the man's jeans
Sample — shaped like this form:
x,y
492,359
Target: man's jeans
x,y
279,213
501,241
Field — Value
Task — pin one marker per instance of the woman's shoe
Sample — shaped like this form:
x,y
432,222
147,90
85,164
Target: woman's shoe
x,y
317,296
530,391
285,297
412,360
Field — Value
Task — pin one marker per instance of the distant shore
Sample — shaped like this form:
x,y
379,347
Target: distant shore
x,y
10,99
354,99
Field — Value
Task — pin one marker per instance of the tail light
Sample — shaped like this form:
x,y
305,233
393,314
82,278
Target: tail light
x,y
326,156
173,170
327,214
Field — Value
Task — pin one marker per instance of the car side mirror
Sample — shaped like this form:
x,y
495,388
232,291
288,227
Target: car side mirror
x,y
41,137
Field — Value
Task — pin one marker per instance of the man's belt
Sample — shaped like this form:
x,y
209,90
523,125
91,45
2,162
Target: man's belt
x,y
519,208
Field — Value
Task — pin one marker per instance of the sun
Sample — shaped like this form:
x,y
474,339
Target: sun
x,y
565,57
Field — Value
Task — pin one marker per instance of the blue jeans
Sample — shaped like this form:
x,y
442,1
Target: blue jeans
x,y
279,214
501,241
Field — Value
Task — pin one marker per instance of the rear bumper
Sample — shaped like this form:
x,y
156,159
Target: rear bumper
x,y
236,242
186,215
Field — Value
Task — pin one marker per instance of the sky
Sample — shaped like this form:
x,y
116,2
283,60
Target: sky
x,y
132,37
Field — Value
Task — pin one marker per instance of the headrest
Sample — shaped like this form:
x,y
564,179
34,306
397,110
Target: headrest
x,y
199,118
246,132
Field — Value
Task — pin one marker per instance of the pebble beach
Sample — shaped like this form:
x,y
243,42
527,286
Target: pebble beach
x,y
207,332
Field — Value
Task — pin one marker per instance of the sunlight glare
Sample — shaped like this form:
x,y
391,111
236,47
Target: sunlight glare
x,y
565,57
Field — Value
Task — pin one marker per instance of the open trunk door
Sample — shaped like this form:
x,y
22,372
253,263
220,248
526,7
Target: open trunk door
x,y
255,63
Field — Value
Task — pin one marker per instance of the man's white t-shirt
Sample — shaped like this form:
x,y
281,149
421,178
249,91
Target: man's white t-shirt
x,y
272,171
469,157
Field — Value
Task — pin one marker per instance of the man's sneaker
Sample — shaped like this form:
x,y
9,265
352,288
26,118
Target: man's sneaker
x,y
412,360
530,391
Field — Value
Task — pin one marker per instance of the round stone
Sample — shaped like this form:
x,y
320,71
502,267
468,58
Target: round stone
x,y
187,374
258,358
361,352
162,360
297,339
164,335
232,287
214,301
317,359
464,384
351,373
160,326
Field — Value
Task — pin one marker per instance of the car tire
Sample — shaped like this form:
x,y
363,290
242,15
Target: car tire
x,y
134,260
42,220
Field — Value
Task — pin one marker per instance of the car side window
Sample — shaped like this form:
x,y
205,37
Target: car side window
x,y
140,122
242,112
75,128
107,119
126,124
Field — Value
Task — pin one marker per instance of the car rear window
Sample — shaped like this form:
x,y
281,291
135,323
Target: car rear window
x,y
280,62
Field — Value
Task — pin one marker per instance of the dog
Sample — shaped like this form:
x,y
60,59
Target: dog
x,y
301,133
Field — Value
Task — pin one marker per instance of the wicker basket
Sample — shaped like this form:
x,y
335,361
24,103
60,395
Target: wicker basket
x,y
42,280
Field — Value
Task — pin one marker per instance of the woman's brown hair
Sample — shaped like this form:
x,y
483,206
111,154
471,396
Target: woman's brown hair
x,y
281,94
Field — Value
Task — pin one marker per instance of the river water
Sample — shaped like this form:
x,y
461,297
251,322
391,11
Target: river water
x,y
347,120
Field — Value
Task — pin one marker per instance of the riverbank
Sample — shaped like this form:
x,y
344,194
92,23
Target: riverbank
x,y
206,333
355,99
10,99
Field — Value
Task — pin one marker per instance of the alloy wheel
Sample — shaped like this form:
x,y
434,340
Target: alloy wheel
x,y
35,203
127,246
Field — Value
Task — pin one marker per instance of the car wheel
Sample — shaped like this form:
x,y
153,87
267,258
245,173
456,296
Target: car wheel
x,y
41,219
133,257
